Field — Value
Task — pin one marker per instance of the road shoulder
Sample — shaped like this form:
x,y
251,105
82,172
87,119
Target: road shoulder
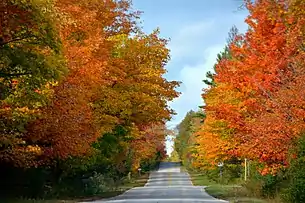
x,y
231,192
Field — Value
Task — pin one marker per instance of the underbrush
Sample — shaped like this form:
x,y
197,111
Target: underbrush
x,y
96,188
43,186
235,189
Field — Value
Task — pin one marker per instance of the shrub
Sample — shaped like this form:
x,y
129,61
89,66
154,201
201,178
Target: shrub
x,y
98,183
296,189
268,186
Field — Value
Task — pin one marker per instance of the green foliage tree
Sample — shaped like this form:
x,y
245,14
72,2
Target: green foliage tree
x,y
174,156
184,141
295,191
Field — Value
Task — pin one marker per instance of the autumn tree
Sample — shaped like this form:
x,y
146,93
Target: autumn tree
x,y
110,108
253,111
225,54
114,80
212,145
68,126
264,72
31,63
137,93
185,140
150,148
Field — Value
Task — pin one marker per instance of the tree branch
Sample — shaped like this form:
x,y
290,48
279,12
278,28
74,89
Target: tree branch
x,y
13,74
2,42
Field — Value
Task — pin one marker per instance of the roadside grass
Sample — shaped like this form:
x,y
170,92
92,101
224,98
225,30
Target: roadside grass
x,y
135,182
232,192
200,179
139,181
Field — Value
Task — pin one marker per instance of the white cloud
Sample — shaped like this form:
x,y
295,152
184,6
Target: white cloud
x,y
192,85
187,39
198,31
194,48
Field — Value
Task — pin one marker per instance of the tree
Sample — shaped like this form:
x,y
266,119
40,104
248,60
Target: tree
x,y
137,94
212,138
225,54
108,111
253,111
137,91
31,63
185,139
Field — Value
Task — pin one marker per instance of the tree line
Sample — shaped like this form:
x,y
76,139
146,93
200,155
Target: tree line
x,y
81,92
254,104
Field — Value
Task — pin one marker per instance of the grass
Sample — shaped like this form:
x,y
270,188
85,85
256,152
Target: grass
x,y
134,182
137,182
231,192
200,179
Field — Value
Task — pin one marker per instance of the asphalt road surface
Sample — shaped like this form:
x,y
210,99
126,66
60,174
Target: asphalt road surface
x,y
167,185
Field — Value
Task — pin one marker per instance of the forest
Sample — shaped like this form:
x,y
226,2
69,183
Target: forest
x,y
253,115
84,101
83,98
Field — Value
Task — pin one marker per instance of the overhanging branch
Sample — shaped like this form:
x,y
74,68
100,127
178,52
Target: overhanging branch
x,y
2,42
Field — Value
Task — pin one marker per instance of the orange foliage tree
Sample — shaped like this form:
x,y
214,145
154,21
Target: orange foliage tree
x,y
258,99
67,127
115,78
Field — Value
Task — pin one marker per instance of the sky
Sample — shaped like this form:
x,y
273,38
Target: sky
x,y
197,30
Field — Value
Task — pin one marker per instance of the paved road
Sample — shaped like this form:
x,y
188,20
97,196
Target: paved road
x,y
167,185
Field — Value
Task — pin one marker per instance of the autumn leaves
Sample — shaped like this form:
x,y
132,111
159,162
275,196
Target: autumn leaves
x,y
85,70
72,71
255,109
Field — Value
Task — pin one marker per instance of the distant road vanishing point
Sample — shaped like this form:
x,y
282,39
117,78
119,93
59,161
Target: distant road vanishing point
x,y
167,185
